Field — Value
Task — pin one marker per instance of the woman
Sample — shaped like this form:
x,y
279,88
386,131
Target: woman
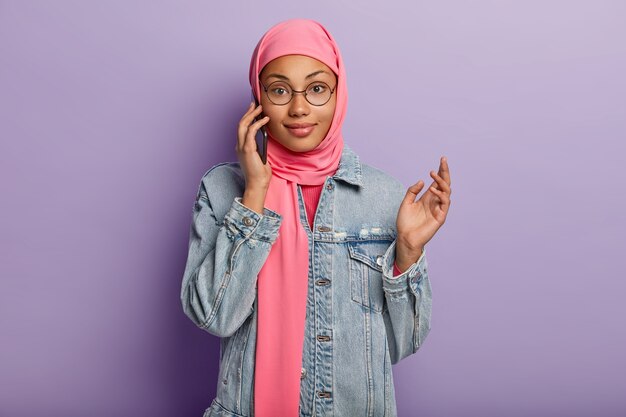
x,y
310,267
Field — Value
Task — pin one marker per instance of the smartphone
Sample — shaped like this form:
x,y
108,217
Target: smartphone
x,y
261,135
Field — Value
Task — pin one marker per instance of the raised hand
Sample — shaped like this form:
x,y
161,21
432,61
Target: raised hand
x,y
418,221
256,173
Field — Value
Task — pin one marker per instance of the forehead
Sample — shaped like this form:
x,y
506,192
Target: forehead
x,y
295,66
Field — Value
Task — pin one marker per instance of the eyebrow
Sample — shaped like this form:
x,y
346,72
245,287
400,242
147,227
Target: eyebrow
x,y
283,77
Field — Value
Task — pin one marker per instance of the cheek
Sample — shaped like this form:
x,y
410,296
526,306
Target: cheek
x,y
329,111
274,125
328,116
275,118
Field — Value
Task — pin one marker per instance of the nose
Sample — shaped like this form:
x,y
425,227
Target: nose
x,y
298,106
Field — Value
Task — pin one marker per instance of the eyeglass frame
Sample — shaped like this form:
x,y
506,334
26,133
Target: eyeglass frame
x,y
293,91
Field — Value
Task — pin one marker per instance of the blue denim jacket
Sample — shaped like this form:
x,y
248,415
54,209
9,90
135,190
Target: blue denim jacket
x,y
360,319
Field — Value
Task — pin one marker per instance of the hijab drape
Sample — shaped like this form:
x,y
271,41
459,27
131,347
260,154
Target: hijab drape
x,y
283,280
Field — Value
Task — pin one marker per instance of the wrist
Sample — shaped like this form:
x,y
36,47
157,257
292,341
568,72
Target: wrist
x,y
407,255
257,187
254,198
408,247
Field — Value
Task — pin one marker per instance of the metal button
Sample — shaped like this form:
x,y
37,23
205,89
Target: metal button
x,y
329,186
302,373
322,282
248,221
324,228
379,261
323,338
323,394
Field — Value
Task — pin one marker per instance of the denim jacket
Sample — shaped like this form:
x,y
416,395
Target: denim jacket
x,y
359,318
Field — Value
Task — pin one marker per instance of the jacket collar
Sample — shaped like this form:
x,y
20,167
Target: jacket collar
x,y
349,169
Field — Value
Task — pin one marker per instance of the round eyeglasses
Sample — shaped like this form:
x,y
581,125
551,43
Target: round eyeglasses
x,y
280,92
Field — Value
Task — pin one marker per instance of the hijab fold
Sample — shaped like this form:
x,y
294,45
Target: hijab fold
x,y
283,280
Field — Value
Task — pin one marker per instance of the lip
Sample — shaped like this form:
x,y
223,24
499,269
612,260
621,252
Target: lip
x,y
300,129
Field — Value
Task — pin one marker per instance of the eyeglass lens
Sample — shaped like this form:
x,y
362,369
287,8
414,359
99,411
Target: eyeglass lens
x,y
317,93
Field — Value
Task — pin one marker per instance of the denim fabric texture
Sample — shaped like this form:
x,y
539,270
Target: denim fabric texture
x,y
359,320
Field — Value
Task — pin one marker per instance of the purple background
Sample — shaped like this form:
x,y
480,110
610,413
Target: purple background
x,y
110,112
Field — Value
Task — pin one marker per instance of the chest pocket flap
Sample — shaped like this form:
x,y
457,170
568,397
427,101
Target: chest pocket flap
x,y
366,273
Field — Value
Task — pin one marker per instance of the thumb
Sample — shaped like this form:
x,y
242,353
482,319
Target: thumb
x,y
412,192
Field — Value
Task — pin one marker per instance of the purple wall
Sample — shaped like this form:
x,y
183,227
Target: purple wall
x,y
110,112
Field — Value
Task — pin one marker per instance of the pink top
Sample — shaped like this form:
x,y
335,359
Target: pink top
x,y
311,194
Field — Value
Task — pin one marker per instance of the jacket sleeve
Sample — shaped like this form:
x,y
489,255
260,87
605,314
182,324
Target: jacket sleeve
x,y
408,296
224,257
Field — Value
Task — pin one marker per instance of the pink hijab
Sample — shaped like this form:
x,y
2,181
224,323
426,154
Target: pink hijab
x,y
282,282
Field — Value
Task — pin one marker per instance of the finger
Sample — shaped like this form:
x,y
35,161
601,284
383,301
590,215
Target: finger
x,y
250,142
444,170
255,112
247,117
250,115
251,107
440,211
412,192
442,184
443,198
246,120
254,127
242,127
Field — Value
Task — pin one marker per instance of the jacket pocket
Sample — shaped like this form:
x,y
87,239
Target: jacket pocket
x,y
366,273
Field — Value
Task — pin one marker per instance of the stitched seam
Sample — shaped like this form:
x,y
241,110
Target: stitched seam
x,y
220,294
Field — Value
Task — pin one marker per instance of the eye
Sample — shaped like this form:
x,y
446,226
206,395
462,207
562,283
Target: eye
x,y
279,91
319,88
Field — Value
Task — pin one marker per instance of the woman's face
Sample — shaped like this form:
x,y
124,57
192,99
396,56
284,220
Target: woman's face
x,y
297,125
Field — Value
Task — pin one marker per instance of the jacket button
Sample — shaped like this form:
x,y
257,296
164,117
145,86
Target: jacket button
x,y
302,373
248,221
324,228
379,261
329,186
